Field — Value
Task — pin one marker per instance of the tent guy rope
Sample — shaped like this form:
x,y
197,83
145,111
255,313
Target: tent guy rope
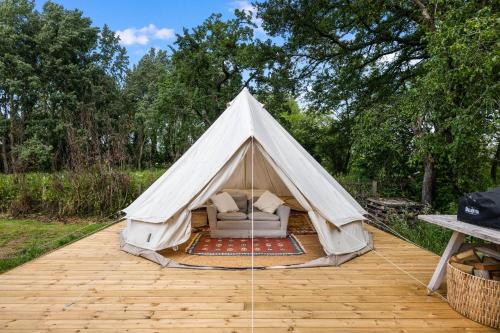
x,y
398,267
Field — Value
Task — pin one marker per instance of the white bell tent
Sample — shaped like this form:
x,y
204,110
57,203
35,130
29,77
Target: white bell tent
x,y
245,148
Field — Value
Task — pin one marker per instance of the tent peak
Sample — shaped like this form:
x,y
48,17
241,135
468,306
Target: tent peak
x,y
245,92
247,95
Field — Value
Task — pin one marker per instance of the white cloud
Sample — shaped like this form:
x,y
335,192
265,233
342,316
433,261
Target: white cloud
x,y
142,36
247,7
164,33
244,5
130,37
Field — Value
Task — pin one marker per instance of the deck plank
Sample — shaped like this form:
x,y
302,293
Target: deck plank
x,y
92,286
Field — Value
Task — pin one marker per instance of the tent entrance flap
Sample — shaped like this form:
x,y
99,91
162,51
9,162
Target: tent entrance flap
x,y
264,175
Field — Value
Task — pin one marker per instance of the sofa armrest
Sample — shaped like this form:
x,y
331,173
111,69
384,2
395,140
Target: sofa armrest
x,y
212,217
284,213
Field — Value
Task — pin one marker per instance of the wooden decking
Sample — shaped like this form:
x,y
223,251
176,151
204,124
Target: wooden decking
x,y
91,286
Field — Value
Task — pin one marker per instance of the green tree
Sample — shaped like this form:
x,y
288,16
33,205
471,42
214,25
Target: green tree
x,y
427,67
350,55
321,135
142,89
19,82
210,64
455,104
60,83
383,142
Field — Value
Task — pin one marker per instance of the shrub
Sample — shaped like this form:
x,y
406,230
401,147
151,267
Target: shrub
x,y
90,193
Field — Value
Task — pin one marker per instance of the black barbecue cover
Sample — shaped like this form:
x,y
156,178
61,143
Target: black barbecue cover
x,y
481,208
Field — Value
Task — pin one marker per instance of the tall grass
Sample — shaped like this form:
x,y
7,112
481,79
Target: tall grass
x,y
426,235
98,193
89,193
93,192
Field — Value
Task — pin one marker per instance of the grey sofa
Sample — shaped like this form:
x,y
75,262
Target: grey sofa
x,y
239,224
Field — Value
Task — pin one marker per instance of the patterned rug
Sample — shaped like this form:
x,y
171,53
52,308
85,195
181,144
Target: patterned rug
x,y
300,224
203,245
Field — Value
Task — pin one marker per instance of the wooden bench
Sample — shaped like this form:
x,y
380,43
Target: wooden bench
x,y
460,229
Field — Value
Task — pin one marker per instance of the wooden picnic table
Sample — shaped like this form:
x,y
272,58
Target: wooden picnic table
x,y
460,229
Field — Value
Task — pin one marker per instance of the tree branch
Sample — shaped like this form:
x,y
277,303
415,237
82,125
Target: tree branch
x,y
425,14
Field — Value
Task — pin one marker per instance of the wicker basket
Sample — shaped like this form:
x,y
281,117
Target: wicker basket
x,y
474,297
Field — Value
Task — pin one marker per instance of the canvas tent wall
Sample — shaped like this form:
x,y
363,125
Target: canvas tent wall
x,y
246,147
255,172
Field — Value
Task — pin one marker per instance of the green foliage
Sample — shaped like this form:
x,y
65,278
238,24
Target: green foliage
x,y
149,126
457,98
81,194
24,240
361,188
402,92
208,65
60,81
308,128
383,141
34,154
175,98
88,193
323,137
417,83
426,235
339,49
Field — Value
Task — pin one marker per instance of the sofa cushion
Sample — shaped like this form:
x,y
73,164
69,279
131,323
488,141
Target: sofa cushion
x,y
251,204
241,201
268,202
263,216
247,225
266,225
232,216
241,225
224,203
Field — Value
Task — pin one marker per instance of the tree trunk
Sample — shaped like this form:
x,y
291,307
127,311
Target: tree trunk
x,y
428,181
425,14
141,150
13,160
12,134
494,164
5,158
345,167
153,151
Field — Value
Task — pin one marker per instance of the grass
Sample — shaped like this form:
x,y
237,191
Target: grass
x,y
426,235
22,240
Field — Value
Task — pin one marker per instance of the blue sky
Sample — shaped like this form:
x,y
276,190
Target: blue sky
x,y
142,24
